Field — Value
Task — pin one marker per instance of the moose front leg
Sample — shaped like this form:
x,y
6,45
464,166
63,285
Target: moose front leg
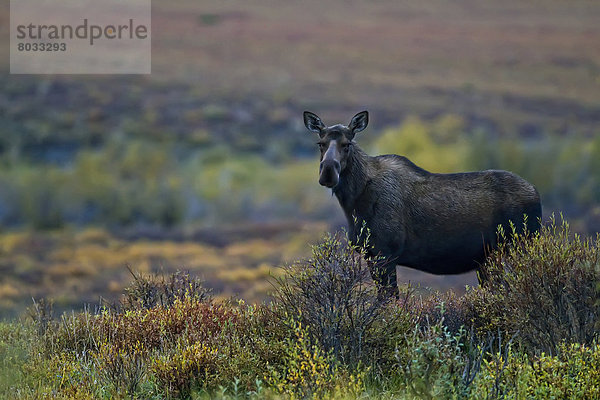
x,y
384,275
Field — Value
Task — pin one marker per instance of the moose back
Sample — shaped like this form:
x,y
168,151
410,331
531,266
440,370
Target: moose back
x,y
438,223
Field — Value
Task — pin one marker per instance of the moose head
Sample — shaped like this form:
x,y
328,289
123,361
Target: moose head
x,y
335,143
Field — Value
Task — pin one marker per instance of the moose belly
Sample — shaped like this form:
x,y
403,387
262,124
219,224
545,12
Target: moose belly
x,y
453,253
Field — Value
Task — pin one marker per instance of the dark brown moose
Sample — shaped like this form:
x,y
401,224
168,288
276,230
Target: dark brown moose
x,y
438,223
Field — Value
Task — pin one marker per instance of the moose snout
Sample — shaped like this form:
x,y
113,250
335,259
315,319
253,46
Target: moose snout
x,y
329,172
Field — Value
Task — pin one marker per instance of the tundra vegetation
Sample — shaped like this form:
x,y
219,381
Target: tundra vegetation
x,y
215,140
68,227
531,331
175,169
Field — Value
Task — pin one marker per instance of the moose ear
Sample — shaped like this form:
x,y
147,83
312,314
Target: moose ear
x,y
312,122
359,122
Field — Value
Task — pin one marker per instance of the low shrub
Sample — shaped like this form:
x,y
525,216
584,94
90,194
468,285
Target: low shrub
x,y
528,332
333,296
122,368
572,374
307,370
152,290
184,366
431,362
543,286
185,342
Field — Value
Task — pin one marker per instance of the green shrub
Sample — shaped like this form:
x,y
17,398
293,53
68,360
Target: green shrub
x,y
185,366
306,370
432,363
528,332
543,286
150,291
122,368
334,298
572,374
185,346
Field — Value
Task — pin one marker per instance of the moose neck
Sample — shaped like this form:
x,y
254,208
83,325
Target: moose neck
x,y
353,179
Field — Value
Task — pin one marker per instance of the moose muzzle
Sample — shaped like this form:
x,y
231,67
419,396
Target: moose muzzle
x,y
329,169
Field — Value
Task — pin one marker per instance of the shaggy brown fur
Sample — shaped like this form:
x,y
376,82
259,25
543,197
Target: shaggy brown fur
x,y
438,223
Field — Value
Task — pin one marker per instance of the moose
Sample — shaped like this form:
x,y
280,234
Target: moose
x,y
438,223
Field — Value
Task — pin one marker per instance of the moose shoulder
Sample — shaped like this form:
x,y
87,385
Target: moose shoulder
x,y
438,223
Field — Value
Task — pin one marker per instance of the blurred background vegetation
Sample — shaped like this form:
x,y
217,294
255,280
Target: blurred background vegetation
x,y
207,158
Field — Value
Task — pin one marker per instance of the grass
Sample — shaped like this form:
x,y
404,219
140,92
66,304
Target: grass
x,y
330,337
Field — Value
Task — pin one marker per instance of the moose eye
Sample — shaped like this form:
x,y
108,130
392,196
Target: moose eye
x,y
322,146
346,147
